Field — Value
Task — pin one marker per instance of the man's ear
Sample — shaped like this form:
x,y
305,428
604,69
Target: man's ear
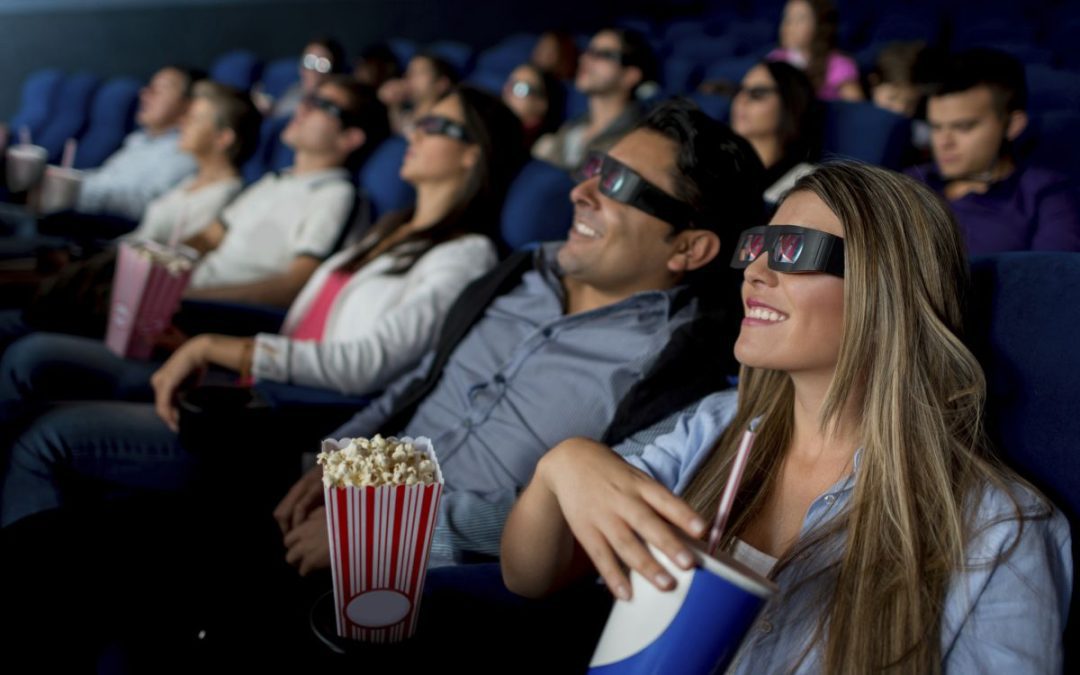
x,y
694,250
1017,122
352,138
632,77
225,139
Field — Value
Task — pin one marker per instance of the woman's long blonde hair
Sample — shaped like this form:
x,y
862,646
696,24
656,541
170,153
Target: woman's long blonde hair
x,y
921,393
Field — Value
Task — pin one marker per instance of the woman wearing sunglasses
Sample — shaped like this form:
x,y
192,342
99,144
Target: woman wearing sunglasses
x,y
870,496
366,316
537,98
775,109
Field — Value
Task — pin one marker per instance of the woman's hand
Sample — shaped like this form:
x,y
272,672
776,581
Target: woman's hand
x,y
614,509
190,358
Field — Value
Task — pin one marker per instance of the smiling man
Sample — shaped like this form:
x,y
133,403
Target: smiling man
x,y
975,114
601,336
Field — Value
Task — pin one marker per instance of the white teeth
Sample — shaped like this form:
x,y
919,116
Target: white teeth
x,y
583,229
765,314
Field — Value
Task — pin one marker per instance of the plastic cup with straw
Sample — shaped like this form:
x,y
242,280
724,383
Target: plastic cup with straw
x,y
61,186
698,626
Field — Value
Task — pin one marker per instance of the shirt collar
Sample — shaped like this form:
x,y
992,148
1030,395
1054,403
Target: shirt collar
x,y
313,179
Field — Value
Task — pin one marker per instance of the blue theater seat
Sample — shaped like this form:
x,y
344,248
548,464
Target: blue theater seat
x,y
865,132
270,152
112,117
1056,135
36,101
537,206
380,182
238,68
1024,335
500,60
457,54
279,75
716,106
71,113
1052,89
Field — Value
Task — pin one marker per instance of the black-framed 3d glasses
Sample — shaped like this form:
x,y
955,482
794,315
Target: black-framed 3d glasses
x,y
791,248
441,126
624,185
329,107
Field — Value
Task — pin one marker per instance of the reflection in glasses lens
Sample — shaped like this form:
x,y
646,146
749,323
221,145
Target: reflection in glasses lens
x,y
319,64
751,247
789,247
522,89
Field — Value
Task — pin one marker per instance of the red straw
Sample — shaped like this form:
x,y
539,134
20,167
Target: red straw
x,y
737,467
69,153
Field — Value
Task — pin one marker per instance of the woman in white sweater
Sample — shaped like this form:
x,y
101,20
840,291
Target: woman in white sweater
x,y
371,311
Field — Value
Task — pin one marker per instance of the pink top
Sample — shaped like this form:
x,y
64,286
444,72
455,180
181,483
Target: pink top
x,y
313,325
839,70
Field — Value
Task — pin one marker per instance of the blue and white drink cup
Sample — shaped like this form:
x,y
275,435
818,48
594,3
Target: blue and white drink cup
x,y
695,628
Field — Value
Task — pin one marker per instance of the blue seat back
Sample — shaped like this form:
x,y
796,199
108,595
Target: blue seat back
x,y
279,75
1024,336
238,68
500,60
537,206
380,182
457,54
1056,135
716,106
72,112
36,101
1052,89
112,117
270,154
865,132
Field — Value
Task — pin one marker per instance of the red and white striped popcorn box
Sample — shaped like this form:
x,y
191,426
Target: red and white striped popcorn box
x,y
146,293
380,538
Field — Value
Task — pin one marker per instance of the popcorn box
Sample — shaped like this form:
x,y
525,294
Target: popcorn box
x,y
695,629
150,278
379,543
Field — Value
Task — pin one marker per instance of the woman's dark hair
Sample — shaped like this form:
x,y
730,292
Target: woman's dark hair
x,y
382,63
824,40
234,110
800,113
497,132
337,52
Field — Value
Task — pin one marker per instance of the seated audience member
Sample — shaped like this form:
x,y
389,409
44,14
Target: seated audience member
x,y
270,239
975,113
536,98
808,41
375,65
150,162
897,540
322,57
610,72
220,130
589,318
427,79
775,109
556,52
894,81
366,317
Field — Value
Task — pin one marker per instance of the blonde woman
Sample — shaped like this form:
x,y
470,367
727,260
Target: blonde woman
x,y
897,540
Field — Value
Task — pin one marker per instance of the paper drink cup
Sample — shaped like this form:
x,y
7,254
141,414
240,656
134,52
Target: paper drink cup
x,y
695,628
25,164
380,538
59,189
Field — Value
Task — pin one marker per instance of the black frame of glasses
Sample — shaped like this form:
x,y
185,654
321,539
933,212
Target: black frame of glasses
x,y
346,118
633,190
444,127
820,252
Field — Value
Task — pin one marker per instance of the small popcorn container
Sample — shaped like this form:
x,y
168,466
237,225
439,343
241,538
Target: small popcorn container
x,y
696,628
380,538
150,279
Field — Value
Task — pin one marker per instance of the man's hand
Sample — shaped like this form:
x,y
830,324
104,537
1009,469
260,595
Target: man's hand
x,y
308,544
306,494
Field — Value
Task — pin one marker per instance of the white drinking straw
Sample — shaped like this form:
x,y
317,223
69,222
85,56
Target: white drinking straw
x,y
68,158
726,501
24,135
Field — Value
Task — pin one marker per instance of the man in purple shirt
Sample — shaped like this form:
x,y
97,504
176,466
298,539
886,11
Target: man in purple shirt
x,y
975,113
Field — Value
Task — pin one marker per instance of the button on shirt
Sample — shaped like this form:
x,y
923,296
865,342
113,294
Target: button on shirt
x,y
280,217
526,377
1000,616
